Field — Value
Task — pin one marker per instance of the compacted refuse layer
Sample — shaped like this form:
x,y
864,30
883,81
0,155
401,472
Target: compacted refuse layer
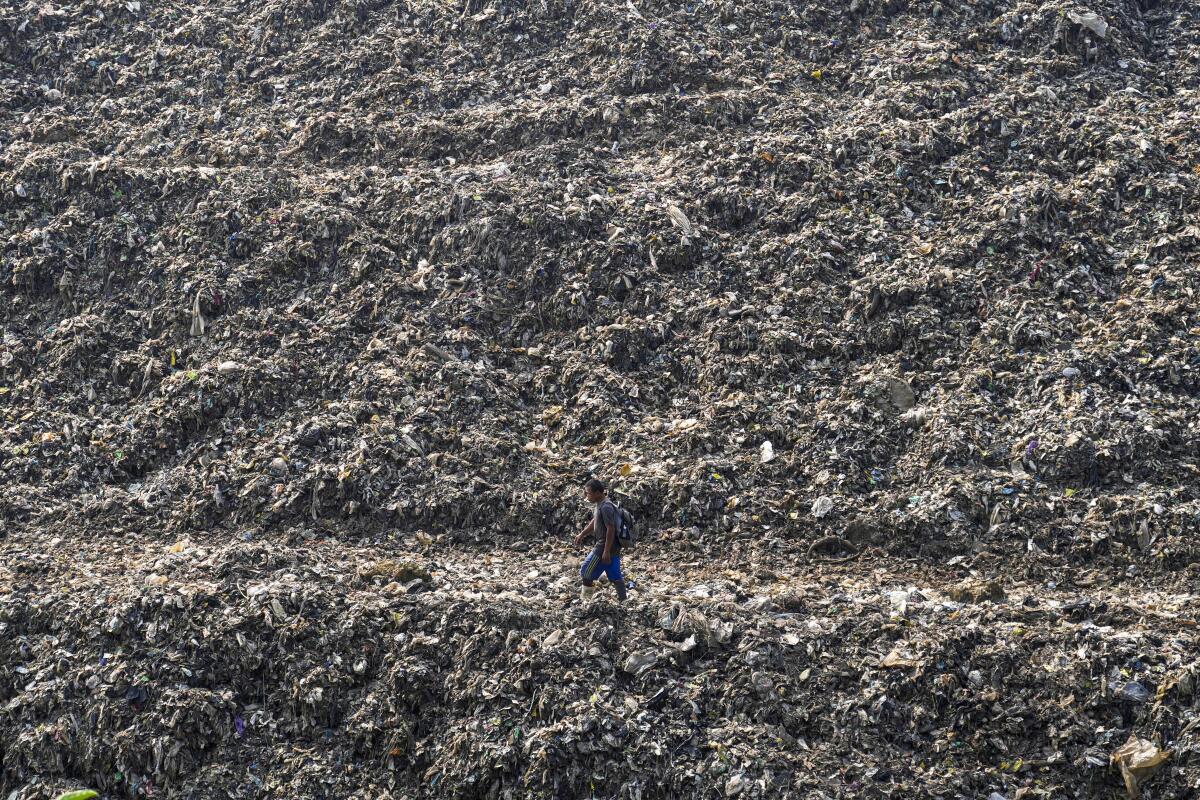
x,y
254,669
880,316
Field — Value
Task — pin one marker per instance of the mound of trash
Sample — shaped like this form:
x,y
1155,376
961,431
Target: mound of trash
x,y
316,670
923,264
855,286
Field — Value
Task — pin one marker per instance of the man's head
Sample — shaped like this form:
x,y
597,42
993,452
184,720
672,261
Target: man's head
x,y
594,490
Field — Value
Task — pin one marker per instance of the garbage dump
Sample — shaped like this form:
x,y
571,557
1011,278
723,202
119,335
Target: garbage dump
x,y
880,316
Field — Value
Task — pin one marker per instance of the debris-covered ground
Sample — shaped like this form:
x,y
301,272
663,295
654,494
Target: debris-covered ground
x,y
311,668
881,315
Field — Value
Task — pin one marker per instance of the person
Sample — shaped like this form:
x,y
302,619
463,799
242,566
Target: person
x,y
605,557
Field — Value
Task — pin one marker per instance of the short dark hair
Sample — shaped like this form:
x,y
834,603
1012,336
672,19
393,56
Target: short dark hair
x,y
595,484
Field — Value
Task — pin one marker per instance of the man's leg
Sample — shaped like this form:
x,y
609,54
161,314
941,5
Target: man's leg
x,y
589,573
616,578
587,570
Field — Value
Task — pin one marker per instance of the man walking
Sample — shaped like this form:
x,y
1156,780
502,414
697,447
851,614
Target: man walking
x,y
605,557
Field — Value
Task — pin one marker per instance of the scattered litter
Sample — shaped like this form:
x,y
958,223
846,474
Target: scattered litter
x,y
1090,20
315,316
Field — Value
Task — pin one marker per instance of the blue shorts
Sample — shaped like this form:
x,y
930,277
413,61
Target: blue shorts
x,y
591,568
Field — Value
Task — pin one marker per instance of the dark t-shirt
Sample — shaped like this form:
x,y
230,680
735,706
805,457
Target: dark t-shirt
x,y
606,514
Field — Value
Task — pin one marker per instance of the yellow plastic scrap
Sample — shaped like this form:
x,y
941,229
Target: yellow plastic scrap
x,y
1138,759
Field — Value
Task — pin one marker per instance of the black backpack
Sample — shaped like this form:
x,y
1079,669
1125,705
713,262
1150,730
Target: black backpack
x,y
626,527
